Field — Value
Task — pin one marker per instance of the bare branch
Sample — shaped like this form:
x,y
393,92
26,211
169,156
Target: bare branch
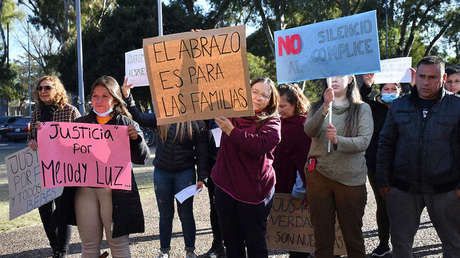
x,y
437,37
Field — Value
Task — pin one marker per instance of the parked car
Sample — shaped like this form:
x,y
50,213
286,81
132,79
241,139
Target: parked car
x,y
18,129
4,121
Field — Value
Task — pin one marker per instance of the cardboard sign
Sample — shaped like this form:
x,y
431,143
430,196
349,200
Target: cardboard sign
x,y
394,70
342,46
289,227
24,183
135,69
78,154
199,75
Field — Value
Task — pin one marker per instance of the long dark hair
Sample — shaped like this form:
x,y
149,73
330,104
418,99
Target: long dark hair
x,y
353,96
113,88
271,110
295,97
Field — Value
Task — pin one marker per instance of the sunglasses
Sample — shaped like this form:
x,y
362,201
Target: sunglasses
x,y
46,88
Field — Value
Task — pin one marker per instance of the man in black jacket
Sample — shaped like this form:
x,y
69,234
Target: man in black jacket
x,y
418,161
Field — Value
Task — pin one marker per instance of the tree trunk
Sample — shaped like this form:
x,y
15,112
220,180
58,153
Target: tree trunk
x,y
267,29
436,38
5,47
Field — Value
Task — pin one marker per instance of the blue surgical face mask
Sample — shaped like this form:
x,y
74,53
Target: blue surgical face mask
x,y
103,114
389,97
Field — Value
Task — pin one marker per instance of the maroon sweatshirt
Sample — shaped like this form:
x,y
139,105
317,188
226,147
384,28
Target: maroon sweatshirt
x,y
291,154
244,163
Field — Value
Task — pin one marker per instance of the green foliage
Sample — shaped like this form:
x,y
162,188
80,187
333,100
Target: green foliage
x,y
260,67
10,13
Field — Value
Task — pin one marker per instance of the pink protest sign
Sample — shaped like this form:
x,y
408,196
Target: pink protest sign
x,y
78,154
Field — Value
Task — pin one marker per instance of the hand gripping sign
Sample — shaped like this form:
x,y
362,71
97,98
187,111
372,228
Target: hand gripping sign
x,y
78,154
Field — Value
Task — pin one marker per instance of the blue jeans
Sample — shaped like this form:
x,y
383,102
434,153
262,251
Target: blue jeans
x,y
167,184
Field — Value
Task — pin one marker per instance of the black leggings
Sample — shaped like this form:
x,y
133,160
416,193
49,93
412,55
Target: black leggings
x,y
56,230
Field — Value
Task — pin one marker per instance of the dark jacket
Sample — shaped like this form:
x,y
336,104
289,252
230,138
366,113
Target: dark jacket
x,y
421,155
379,113
244,163
127,213
174,155
291,153
68,113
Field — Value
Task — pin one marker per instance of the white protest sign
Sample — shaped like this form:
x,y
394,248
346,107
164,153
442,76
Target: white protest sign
x,y
394,70
24,183
135,68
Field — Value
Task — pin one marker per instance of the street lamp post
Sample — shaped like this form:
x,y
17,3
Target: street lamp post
x,y
81,87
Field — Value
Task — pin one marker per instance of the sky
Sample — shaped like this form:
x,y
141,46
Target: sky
x,y
16,51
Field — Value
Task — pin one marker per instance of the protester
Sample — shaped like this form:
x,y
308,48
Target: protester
x,y
117,212
379,106
453,79
417,161
182,146
52,105
291,153
243,173
217,247
336,179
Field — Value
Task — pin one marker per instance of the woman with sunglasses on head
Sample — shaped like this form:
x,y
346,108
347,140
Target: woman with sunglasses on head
x,y
336,177
52,105
95,210
243,174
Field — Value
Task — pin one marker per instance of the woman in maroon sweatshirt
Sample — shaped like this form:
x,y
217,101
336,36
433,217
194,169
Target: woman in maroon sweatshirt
x,y
243,173
291,153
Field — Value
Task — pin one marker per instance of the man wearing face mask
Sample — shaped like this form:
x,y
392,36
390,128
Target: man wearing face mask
x,y
379,106
417,161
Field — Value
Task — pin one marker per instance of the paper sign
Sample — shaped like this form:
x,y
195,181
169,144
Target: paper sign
x,y
394,70
135,69
80,154
24,183
289,227
217,134
199,75
342,46
186,193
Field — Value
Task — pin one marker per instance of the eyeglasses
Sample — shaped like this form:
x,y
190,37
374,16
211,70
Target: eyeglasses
x,y
46,88
259,94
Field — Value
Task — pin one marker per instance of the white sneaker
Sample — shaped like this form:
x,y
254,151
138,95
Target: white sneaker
x,y
163,255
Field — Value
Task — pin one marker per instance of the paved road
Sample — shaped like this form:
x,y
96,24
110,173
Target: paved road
x,y
31,241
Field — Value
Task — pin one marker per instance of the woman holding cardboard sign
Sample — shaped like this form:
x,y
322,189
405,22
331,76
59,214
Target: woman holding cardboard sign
x,y
244,175
182,147
52,105
117,212
336,180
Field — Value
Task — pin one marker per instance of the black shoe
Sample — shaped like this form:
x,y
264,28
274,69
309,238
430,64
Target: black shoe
x,y
59,254
381,251
216,251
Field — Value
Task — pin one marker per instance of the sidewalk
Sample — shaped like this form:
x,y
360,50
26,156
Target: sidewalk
x,y
32,242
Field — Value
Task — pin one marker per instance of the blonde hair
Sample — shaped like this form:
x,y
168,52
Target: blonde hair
x,y
60,98
183,128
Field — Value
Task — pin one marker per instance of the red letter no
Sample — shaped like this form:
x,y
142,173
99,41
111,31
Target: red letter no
x,y
292,45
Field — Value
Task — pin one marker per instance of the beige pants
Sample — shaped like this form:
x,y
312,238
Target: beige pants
x,y
93,210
